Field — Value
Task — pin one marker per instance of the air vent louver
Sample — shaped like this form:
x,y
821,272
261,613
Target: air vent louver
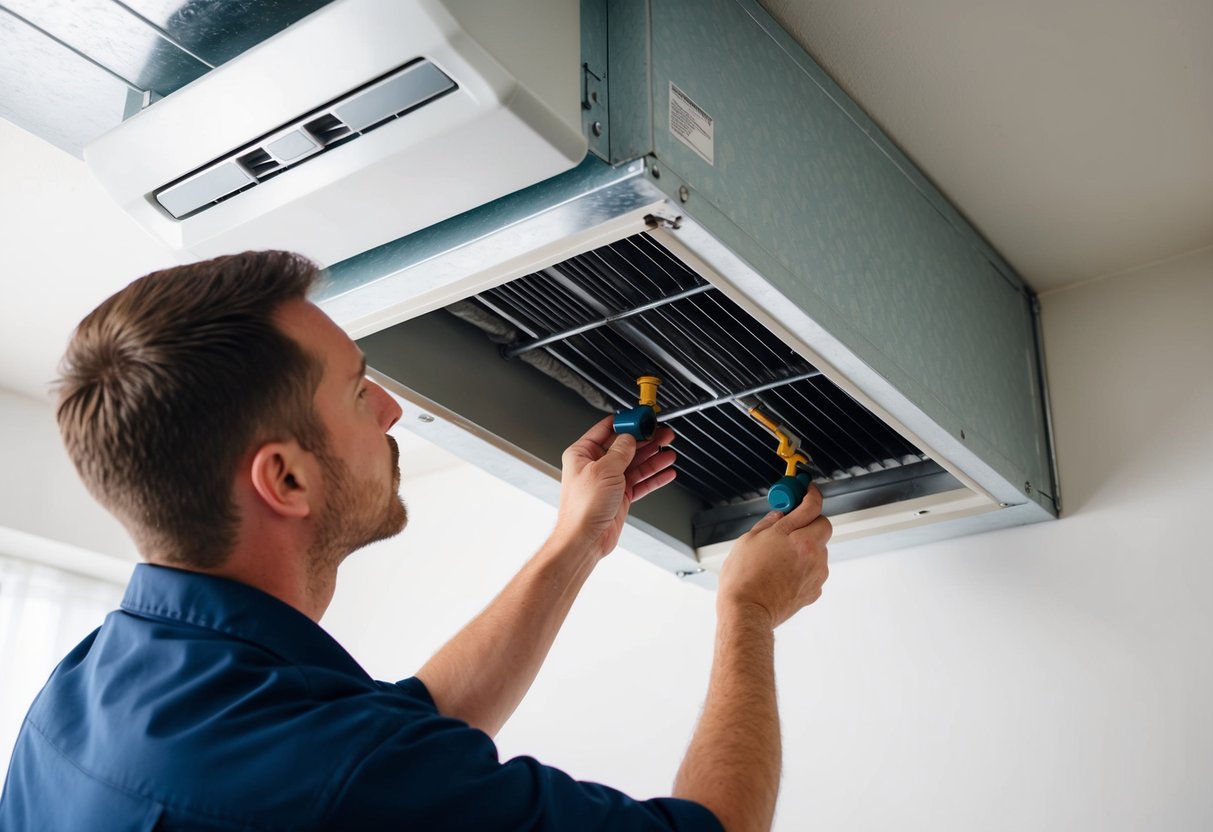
x,y
631,308
383,100
328,130
259,163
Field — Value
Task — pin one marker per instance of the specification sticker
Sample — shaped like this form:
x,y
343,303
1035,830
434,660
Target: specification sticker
x,y
691,125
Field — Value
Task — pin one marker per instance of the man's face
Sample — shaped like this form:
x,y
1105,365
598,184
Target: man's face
x,y
360,462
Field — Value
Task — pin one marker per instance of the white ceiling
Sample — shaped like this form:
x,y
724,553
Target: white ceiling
x,y
64,248
1077,135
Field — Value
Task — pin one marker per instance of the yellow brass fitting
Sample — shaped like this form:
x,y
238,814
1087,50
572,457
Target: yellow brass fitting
x,y
788,445
648,391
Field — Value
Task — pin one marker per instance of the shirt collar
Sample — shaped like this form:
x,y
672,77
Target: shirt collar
x,y
236,609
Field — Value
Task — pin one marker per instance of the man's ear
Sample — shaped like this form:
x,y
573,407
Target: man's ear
x,y
280,477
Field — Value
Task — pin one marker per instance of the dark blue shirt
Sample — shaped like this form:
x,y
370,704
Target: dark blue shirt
x,y
207,704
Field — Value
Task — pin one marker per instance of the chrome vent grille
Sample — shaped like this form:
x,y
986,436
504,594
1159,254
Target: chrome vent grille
x,y
632,308
355,114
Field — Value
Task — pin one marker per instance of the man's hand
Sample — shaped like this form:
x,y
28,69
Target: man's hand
x,y
482,674
781,563
603,474
733,764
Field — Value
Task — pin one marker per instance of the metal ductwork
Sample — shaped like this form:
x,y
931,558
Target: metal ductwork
x,y
744,232
737,227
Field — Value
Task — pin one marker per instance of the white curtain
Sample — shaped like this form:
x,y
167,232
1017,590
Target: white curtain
x,y
44,612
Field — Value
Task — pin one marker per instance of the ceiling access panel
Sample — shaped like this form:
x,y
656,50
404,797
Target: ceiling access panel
x,y
842,292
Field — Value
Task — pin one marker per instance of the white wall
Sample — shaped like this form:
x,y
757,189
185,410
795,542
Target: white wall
x,y
43,504
1053,677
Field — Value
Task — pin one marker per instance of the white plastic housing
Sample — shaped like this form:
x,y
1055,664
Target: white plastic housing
x,y
513,121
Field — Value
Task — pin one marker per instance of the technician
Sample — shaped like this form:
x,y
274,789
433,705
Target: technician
x,y
229,425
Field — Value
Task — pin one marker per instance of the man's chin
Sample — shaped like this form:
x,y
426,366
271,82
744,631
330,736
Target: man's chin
x,y
399,515
394,521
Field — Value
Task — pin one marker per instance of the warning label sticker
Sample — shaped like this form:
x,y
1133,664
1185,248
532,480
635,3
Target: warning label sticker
x,y
691,125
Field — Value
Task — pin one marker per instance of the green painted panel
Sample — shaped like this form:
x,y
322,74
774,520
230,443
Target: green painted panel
x,y
873,253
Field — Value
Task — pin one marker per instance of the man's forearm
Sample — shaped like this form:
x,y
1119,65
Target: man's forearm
x,y
482,673
733,764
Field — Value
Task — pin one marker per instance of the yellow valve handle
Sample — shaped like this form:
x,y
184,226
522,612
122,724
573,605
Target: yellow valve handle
x,y
787,448
648,391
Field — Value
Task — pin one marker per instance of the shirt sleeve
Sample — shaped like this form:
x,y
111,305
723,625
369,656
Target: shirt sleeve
x,y
436,772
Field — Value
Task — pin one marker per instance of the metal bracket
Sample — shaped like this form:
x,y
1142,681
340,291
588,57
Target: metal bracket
x,y
662,221
590,83
595,121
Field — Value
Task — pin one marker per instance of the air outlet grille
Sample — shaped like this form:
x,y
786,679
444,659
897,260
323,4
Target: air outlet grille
x,y
396,94
328,130
260,164
632,308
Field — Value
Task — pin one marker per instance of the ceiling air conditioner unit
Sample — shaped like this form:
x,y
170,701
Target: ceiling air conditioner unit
x,y
740,229
362,122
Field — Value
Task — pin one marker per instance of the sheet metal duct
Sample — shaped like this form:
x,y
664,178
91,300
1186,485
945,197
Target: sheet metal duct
x,y
740,227
779,246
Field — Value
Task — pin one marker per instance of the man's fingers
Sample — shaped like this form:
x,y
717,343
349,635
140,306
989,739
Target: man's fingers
x,y
600,434
621,451
648,462
768,520
600,437
808,510
663,436
818,532
651,484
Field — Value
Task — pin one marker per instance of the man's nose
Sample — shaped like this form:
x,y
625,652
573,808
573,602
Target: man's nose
x,y
387,410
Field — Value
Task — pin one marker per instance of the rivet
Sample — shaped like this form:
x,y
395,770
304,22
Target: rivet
x,y
684,193
656,173
425,417
1027,488
597,128
1003,505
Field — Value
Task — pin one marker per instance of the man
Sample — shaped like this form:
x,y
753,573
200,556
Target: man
x,y
228,423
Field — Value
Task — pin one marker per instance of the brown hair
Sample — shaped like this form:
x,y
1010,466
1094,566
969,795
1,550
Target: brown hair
x,y
169,383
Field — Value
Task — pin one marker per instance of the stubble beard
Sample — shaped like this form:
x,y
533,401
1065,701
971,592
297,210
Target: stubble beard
x,y
357,512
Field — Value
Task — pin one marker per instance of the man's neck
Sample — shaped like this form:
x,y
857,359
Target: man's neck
x,y
292,579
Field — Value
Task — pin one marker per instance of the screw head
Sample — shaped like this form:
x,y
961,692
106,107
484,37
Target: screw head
x,y
684,193
425,417
596,127
1027,488
656,173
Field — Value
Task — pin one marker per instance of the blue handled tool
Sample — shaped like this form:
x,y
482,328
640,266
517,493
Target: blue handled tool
x,y
641,421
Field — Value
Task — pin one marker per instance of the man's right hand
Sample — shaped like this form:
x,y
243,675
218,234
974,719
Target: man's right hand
x,y
780,564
